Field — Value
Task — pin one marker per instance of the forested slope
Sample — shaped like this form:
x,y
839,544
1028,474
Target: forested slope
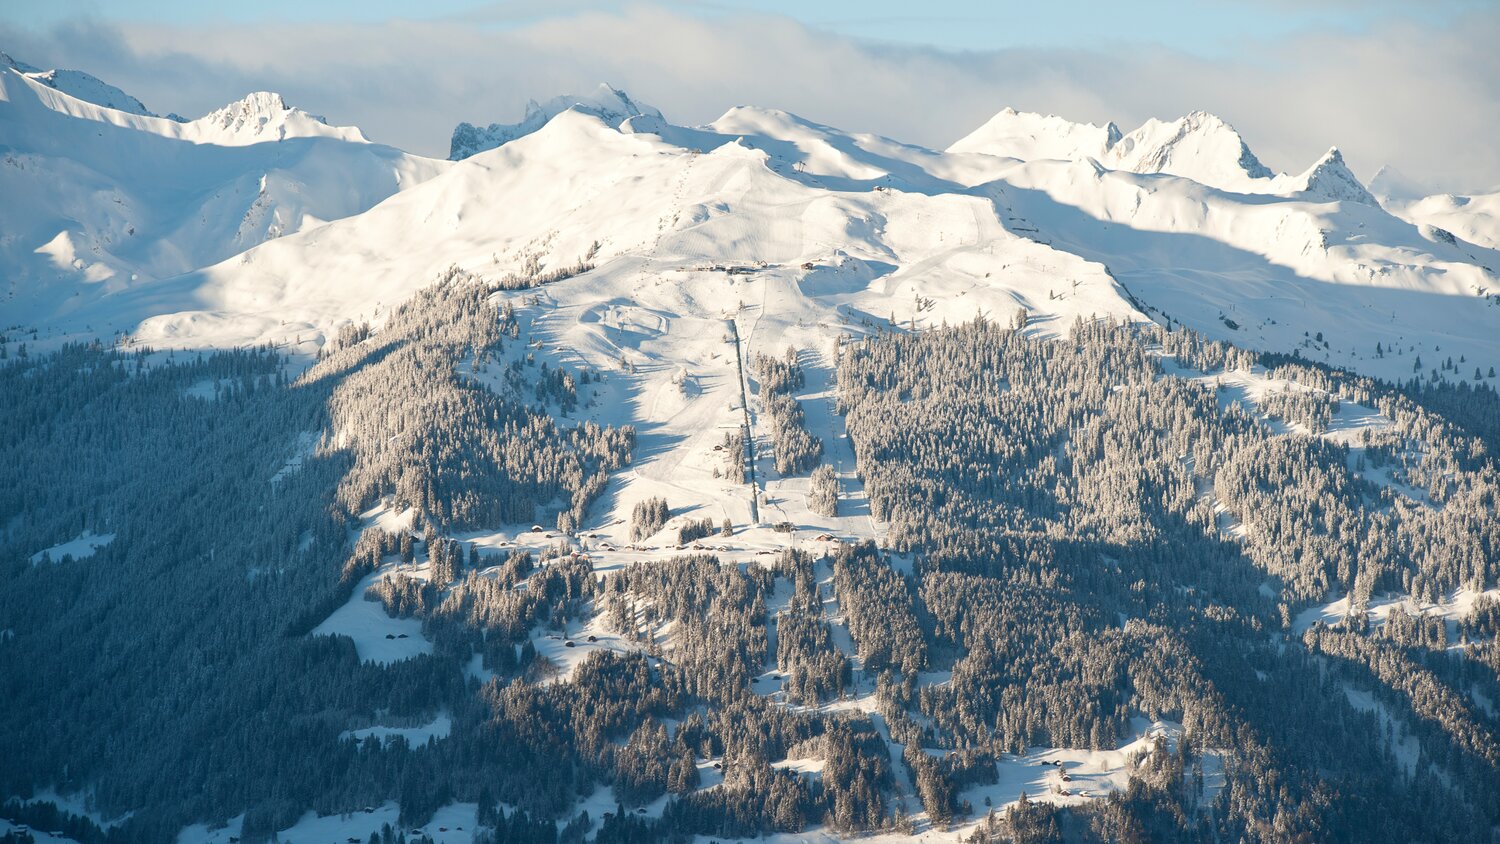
x,y
1069,503
1104,604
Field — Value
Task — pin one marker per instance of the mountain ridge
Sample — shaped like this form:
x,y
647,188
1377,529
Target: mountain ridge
x,y
83,86
1134,189
116,198
607,103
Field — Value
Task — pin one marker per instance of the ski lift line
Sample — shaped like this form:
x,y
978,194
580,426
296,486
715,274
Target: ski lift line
x,y
749,454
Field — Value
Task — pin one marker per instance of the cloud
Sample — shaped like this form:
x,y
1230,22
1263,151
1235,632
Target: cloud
x,y
1422,96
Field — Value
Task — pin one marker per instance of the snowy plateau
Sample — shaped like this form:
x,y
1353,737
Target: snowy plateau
x,y
644,270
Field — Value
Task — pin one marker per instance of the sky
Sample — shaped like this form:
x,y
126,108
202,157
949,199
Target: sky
x,y
1413,85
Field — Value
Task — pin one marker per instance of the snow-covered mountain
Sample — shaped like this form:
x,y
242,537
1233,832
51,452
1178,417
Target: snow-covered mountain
x,y
177,241
1448,217
79,85
260,117
1029,136
99,199
1199,146
668,221
1474,219
606,103
1329,180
